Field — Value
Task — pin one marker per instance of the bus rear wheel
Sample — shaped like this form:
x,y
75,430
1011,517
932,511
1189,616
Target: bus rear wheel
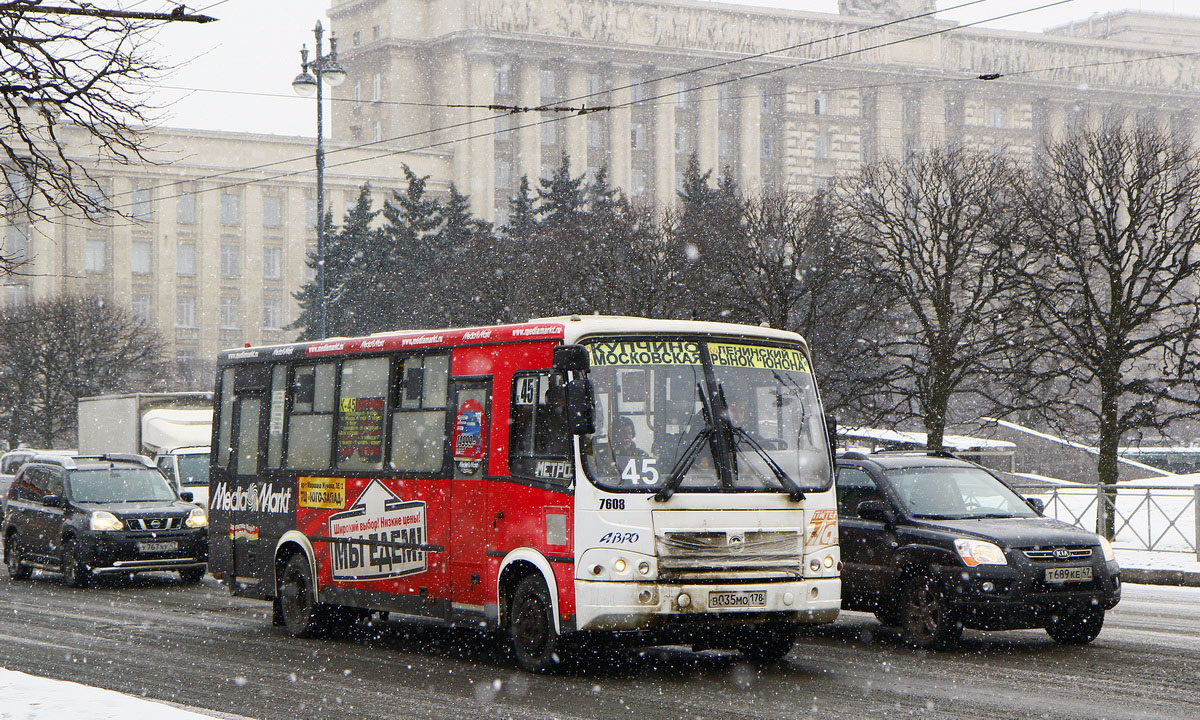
x,y
535,642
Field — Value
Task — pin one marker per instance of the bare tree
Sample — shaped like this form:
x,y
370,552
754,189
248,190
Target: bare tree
x,y
72,81
55,351
938,227
1113,274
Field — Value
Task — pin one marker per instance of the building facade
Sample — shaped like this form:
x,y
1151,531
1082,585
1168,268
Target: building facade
x,y
207,251
676,77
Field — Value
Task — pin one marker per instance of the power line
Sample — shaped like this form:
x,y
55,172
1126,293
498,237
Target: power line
x,y
557,119
466,123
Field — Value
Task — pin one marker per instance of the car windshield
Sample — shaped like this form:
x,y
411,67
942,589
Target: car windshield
x,y
193,470
955,493
119,484
669,408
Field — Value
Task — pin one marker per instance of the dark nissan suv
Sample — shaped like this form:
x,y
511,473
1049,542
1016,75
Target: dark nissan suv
x,y
101,514
934,544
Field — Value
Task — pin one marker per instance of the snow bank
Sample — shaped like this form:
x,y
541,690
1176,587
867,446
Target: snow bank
x,y
27,697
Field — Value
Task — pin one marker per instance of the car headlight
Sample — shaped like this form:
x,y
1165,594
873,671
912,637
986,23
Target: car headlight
x,y
197,518
1106,549
978,552
104,520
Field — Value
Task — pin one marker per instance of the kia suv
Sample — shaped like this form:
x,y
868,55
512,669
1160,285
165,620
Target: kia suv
x,y
933,544
101,514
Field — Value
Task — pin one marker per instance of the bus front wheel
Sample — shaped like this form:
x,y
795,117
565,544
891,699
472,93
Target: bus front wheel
x,y
535,642
302,616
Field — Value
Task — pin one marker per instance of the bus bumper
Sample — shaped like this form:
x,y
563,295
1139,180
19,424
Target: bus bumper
x,y
608,605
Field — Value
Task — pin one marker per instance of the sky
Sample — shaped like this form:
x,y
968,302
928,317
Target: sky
x,y
252,53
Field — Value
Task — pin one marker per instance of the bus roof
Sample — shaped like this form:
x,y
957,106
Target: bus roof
x,y
567,329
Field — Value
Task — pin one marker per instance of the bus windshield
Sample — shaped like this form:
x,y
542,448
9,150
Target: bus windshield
x,y
705,416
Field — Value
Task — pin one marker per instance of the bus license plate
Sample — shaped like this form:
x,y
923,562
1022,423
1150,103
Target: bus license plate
x,y
155,547
744,599
1068,574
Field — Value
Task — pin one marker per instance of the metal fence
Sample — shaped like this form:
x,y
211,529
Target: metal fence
x,y
1161,518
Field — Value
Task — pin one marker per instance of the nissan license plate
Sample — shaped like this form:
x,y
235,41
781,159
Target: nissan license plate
x,y
743,599
157,547
1068,574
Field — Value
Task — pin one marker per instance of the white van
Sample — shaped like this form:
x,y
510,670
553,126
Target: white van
x,y
187,469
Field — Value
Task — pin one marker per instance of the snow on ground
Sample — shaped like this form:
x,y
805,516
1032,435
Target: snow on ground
x,y
1149,560
27,697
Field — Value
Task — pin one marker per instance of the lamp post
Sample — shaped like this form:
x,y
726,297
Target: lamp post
x,y
313,74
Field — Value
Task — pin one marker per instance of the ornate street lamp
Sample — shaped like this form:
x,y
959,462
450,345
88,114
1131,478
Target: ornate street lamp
x,y
313,74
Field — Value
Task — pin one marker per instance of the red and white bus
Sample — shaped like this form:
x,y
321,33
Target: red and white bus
x,y
659,480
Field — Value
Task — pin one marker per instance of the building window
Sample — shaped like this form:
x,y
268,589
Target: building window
x,y
140,257
724,99
377,134
595,133
503,173
95,256
821,149
185,258
637,138
374,32
356,39
272,313
272,211
683,140
272,262
549,85
640,90
185,209
229,313
820,104
143,209
231,209
185,311
996,117
377,87
503,81
638,178
681,93
229,261
140,308
550,133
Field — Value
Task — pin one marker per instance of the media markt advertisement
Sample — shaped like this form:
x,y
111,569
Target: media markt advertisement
x,y
393,531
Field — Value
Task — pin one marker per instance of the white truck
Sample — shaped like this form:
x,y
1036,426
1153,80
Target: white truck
x,y
174,428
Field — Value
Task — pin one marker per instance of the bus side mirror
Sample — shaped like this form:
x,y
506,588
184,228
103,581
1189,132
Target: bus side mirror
x,y
831,432
572,358
581,418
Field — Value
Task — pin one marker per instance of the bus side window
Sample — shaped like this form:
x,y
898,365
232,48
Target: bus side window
x,y
225,426
310,425
362,408
539,446
419,421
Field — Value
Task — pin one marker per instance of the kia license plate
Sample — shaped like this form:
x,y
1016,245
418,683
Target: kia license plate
x,y
744,599
157,547
1068,574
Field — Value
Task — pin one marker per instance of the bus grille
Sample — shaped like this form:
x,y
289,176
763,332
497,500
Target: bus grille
x,y
759,555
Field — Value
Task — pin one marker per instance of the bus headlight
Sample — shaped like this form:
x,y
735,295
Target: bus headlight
x,y
1106,549
978,552
105,521
197,518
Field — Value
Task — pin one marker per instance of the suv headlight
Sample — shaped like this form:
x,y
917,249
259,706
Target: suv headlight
x,y
978,552
197,518
104,520
1106,549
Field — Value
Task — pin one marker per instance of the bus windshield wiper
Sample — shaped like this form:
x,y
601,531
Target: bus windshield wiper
x,y
795,494
684,463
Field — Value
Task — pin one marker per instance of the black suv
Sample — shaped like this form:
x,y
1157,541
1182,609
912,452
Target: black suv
x,y
101,514
934,544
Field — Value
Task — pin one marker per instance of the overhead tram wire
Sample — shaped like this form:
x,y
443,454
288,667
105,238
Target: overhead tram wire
x,y
466,123
293,173
644,100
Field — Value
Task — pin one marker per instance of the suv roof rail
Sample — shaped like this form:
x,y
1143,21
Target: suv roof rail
x,y
72,461
852,455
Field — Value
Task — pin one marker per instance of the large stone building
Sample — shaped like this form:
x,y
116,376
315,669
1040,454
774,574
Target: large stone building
x,y
676,76
214,251
210,240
